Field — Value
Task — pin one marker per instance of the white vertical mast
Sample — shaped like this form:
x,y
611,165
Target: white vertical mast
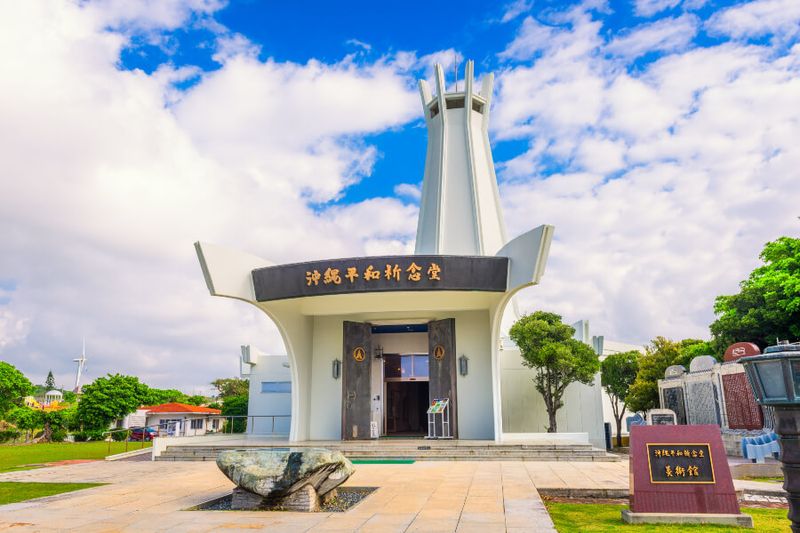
x,y
460,211
81,366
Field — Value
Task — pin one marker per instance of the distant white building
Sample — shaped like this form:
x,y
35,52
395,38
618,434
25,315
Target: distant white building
x,y
176,419
270,401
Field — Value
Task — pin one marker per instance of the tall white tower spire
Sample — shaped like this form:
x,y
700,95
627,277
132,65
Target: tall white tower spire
x,y
81,366
460,212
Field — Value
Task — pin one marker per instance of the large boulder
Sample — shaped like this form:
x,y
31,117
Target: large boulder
x,y
294,478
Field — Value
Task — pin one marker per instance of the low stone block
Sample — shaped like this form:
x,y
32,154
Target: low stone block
x,y
741,520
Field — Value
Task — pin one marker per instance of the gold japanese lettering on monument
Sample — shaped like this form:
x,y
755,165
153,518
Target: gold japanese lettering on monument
x,y
370,274
392,274
414,272
433,272
680,463
332,276
312,278
352,274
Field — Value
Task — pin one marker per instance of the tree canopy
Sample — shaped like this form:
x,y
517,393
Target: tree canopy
x,y
236,406
50,382
109,398
228,387
546,345
14,386
767,306
618,373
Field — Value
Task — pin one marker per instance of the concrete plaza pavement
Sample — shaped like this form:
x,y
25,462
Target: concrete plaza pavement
x,y
425,496
152,496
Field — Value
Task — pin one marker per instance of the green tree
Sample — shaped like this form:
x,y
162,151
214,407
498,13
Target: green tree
x,y
236,406
228,387
643,393
24,418
546,345
109,398
196,400
69,396
618,373
14,386
50,382
159,396
53,424
691,348
767,306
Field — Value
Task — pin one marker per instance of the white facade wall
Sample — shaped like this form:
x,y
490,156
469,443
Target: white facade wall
x,y
271,411
181,423
524,410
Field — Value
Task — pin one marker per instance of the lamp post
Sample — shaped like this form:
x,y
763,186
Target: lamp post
x,y
775,379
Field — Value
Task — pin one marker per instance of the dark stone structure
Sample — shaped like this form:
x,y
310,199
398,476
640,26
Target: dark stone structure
x,y
740,404
673,399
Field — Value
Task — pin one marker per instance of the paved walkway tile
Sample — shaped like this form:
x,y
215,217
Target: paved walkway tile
x,y
425,496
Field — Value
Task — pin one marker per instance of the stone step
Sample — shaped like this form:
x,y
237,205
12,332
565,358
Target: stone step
x,y
610,458
423,452
432,453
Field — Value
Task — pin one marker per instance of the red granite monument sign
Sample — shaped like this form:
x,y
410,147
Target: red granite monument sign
x,y
681,474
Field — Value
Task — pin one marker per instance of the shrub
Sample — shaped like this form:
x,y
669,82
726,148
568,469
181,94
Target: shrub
x,y
89,434
9,434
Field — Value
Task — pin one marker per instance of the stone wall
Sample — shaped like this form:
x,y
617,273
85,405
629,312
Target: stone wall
x,y
701,401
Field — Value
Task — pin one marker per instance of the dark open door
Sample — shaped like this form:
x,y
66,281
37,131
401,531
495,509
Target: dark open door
x,y
442,367
356,359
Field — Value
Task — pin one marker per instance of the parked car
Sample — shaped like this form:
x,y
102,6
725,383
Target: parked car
x,y
143,434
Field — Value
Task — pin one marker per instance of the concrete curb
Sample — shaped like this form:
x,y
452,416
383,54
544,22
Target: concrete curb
x,y
614,494
132,453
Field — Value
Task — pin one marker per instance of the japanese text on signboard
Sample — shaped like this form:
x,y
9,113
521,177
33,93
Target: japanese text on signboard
x,y
680,463
389,273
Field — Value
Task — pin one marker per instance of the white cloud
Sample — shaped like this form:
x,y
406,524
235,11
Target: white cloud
x,y
515,9
673,176
230,45
150,15
665,35
109,176
359,44
648,8
758,18
408,190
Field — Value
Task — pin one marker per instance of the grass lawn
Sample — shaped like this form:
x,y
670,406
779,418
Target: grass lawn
x,y
17,457
765,479
569,517
12,492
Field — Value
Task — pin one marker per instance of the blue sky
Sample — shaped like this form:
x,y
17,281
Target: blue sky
x,y
659,137
329,32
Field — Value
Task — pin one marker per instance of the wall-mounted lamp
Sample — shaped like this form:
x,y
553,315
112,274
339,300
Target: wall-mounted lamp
x,y
379,352
463,365
336,368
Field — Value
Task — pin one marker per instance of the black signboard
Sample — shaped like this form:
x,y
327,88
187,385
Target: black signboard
x,y
662,419
680,463
382,273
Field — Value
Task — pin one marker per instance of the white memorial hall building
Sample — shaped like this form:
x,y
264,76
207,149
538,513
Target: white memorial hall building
x,y
372,341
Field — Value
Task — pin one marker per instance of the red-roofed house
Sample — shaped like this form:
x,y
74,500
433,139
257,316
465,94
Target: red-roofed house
x,y
177,419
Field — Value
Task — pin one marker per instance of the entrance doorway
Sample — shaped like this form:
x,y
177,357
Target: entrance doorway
x,y
406,393
390,375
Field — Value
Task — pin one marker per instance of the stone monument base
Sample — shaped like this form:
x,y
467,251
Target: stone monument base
x,y
741,520
304,499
